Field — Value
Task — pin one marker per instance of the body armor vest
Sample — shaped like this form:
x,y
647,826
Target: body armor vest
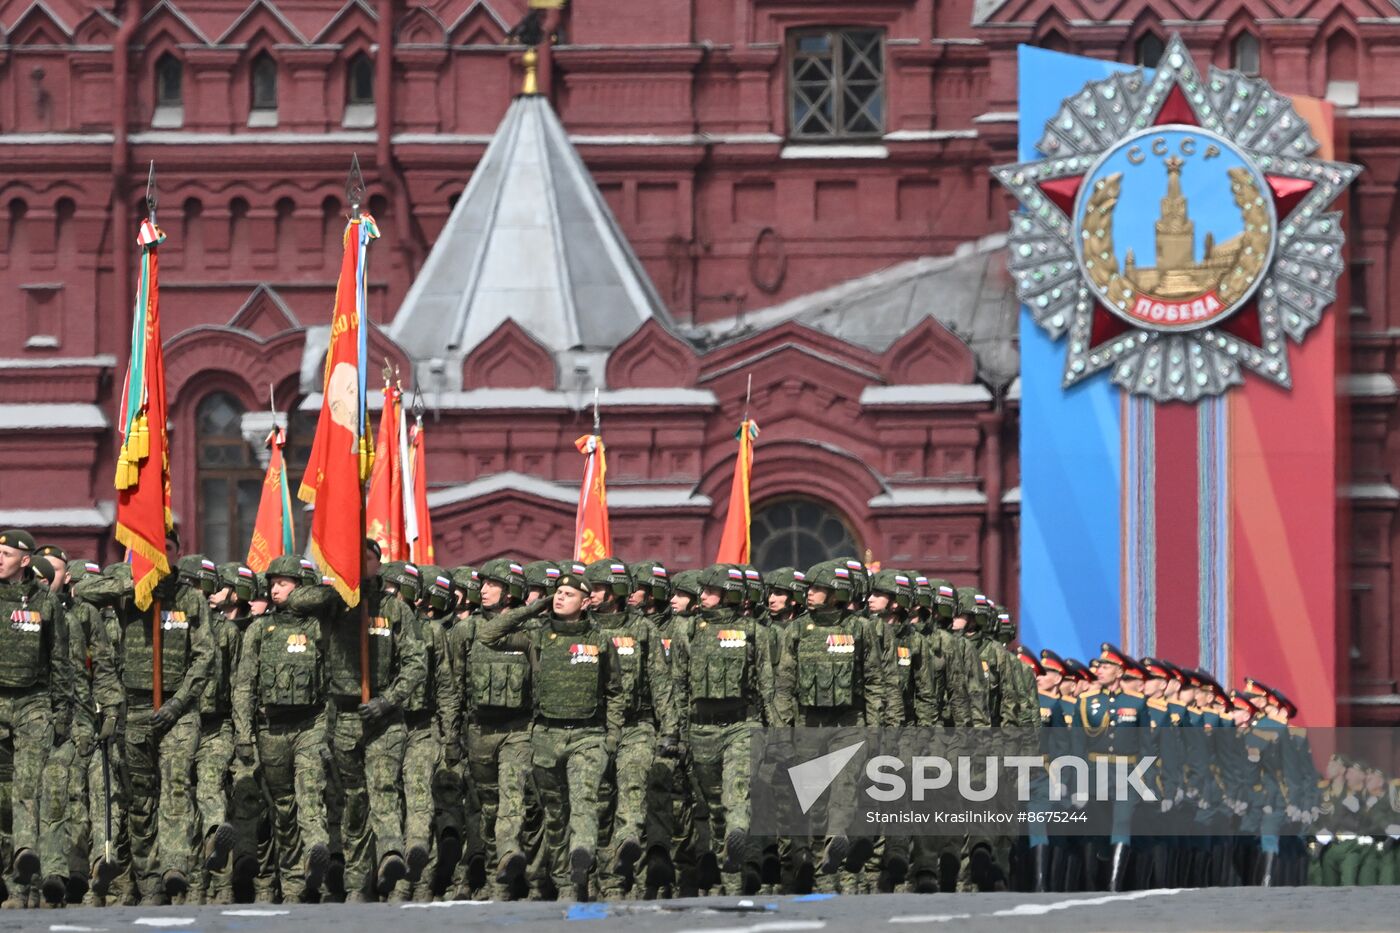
x,y
289,663
499,679
826,664
138,655
571,674
23,639
721,650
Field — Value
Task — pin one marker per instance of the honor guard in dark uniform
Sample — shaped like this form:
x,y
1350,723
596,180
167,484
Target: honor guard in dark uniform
x,y
1113,718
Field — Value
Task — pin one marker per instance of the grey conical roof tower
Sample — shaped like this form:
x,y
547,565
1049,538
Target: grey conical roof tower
x,y
532,240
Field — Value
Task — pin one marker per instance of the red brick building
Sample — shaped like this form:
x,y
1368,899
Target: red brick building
x,y
796,191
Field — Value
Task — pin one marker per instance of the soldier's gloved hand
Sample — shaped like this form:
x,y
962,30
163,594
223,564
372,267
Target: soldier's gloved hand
x,y
168,714
376,709
83,744
1166,804
245,753
610,745
669,747
60,731
1352,804
108,728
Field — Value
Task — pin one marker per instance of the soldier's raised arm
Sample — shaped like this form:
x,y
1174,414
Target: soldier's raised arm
x,y
506,631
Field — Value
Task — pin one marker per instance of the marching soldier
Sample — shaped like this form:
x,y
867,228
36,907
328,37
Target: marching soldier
x,y
160,743
578,715
368,738
279,721
649,729
97,713
831,674
1111,716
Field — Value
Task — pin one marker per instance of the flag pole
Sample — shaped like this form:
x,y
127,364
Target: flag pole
x,y
354,196
157,697
748,393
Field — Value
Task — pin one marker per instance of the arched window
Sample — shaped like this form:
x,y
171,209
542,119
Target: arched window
x,y
230,480
264,90
1244,54
1149,50
170,92
360,80
796,532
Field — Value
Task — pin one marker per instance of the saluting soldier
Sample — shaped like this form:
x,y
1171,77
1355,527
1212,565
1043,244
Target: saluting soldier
x,y
160,743
578,714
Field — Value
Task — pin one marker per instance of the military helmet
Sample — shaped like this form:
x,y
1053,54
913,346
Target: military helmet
x,y
860,578
753,584
832,575
508,573
288,565
895,584
466,580
652,576
923,593
262,590
311,574
687,582
405,577
784,580
239,578
1006,626
79,568
945,599
975,606
437,588
611,573
541,575
200,572
726,578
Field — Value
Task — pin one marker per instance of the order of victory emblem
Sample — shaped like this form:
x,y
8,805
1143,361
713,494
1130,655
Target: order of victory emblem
x,y
1176,230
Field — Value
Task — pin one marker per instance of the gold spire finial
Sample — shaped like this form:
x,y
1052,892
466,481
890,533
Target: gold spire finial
x,y
531,87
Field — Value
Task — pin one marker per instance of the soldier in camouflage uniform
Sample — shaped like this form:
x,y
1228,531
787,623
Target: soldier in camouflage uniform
x,y
279,721
430,720
832,675
650,729
915,687
676,874
495,685
729,677
579,710
36,690
368,737
160,743
214,750
97,713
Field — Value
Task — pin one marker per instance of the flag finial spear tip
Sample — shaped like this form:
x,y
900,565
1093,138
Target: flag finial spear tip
x,y
151,190
354,186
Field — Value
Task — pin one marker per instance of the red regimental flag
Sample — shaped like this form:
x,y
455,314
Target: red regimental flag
x,y
734,543
341,455
384,511
422,529
273,533
143,463
592,538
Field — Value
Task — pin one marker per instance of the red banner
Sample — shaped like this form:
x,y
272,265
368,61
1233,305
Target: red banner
x,y
272,532
421,535
384,510
592,538
340,454
734,543
143,463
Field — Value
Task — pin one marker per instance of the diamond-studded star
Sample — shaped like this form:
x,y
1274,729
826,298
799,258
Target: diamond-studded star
x,y
1244,298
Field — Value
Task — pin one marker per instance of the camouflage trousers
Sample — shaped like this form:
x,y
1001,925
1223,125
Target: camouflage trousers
x,y
211,780
568,766
625,799
26,728
422,758
720,773
368,761
292,753
160,814
498,766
